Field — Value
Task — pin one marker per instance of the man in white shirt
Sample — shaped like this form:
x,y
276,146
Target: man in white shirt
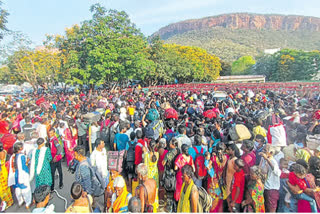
x,y
272,184
99,159
42,129
182,137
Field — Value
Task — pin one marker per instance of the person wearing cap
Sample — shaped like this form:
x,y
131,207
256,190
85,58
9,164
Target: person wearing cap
x,y
120,198
42,197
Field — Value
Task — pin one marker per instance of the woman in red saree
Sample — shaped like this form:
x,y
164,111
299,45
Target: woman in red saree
x,y
183,159
215,190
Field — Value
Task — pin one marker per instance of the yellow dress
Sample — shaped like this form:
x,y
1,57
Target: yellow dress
x,y
152,167
5,192
153,173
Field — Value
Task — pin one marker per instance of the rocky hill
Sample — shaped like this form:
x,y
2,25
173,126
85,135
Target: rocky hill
x,y
243,33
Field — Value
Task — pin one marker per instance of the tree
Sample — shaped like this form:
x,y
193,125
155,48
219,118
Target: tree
x,y
37,67
225,68
288,65
242,65
104,49
3,20
205,67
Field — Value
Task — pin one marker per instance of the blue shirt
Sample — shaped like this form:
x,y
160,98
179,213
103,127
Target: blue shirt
x,y
192,151
121,141
24,168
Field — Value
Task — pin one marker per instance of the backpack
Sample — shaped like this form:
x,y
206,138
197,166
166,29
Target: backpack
x,y
105,134
152,115
168,180
115,160
171,113
61,144
191,111
204,199
97,181
131,152
277,135
201,171
239,132
154,130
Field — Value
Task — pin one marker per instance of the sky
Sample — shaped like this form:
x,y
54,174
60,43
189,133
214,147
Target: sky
x,y
36,18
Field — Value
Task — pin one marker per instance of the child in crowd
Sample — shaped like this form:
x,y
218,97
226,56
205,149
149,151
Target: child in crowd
x,y
297,178
208,165
42,197
284,193
235,199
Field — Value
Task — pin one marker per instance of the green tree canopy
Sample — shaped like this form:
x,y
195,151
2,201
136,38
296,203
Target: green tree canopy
x,y
288,65
106,48
242,65
3,20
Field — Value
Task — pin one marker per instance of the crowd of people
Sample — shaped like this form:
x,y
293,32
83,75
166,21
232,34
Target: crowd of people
x,y
162,151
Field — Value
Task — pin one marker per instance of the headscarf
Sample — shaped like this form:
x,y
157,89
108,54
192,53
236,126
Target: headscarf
x,y
121,203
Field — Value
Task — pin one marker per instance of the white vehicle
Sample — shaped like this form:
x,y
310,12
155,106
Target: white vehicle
x,y
220,95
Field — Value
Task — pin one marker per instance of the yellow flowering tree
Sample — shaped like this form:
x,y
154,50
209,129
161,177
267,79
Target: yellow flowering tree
x,y
41,66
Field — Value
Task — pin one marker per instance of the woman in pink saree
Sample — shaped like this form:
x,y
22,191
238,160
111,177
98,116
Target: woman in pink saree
x,y
70,143
183,159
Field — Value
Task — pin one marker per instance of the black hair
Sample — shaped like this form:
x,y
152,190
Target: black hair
x,y
41,192
153,145
132,135
174,142
80,150
221,146
298,168
303,163
248,144
197,140
239,162
234,148
76,190
184,149
40,141
1,146
187,169
98,141
139,134
181,129
16,148
260,137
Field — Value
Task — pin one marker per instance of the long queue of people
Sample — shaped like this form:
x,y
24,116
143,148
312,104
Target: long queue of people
x,y
162,151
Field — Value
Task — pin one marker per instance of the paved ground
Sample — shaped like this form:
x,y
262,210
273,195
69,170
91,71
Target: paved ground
x,y
68,179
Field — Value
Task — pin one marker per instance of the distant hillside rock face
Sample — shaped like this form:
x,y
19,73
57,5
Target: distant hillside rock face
x,y
243,21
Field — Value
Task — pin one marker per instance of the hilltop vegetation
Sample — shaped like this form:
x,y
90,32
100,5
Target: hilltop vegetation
x,y
231,44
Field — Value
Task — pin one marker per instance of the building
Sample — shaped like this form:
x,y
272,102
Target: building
x,y
241,79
